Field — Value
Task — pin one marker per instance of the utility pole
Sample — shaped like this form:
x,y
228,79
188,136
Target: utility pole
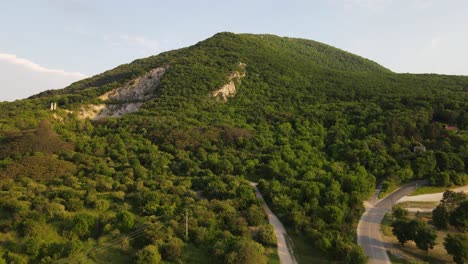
x,y
186,225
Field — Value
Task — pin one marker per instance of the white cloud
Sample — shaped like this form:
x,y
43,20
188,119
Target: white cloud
x,y
13,59
22,78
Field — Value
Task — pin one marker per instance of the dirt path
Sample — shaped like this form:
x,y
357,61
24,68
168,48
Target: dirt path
x,y
284,253
368,231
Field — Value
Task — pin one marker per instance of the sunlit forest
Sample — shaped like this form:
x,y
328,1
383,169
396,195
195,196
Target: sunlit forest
x,y
317,127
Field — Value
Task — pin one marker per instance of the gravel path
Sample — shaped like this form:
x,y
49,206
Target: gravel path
x,y
284,253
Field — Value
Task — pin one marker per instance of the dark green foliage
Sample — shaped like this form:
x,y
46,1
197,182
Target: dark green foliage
x,y
452,209
425,238
401,229
415,230
440,217
39,167
457,246
42,139
459,217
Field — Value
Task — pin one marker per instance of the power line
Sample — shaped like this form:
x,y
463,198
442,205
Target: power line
x,y
138,232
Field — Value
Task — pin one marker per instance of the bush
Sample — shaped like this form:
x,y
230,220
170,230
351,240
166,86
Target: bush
x,y
148,255
266,235
172,249
126,220
83,224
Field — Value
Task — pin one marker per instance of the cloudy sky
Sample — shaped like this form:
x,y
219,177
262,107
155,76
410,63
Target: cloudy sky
x,y
47,44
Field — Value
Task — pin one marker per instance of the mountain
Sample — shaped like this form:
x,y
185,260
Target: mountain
x,y
136,151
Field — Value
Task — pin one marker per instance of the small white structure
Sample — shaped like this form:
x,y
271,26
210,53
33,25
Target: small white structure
x,y
53,106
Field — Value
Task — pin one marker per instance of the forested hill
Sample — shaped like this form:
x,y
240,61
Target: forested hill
x,y
220,53
315,125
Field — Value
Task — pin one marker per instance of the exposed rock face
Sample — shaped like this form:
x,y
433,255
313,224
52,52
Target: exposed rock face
x,y
139,89
126,99
229,89
90,111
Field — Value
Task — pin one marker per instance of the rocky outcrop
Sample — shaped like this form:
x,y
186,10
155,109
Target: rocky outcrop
x,y
141,88
229,89
126,99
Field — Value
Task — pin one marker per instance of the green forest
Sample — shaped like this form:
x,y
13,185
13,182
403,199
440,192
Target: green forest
x,y
317,127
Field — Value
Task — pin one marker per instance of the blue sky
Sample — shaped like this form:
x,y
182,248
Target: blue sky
x,y
50,43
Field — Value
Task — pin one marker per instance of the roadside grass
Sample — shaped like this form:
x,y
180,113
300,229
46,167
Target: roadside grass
x,y
386,224
409,251
304,252
387,191
423,205
396,260
428,190
272,253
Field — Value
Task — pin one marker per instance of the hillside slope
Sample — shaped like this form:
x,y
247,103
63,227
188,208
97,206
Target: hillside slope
x,y
315,125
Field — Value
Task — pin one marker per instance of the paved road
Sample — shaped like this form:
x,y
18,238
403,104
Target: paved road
x,y
368,232
284,253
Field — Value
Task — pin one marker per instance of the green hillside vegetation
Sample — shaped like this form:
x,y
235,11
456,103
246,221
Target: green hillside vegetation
x,y
316,126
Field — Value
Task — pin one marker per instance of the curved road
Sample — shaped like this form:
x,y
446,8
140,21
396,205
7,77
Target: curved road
x,y
368,231
284,253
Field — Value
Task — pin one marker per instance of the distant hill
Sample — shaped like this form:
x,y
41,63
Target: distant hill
x,y
137,149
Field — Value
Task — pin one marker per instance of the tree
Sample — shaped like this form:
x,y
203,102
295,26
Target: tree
x,y
459,217
400,230
457,246
237,250
255,215
425,237
148,255
249,252
440,216
172,249
415,230
83,225
126,220
357,256
453,208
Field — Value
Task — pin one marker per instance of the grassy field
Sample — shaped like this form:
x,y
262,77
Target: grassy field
x,y
409,251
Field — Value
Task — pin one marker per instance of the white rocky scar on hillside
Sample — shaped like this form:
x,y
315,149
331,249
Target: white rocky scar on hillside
x,y
229,89
126,99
